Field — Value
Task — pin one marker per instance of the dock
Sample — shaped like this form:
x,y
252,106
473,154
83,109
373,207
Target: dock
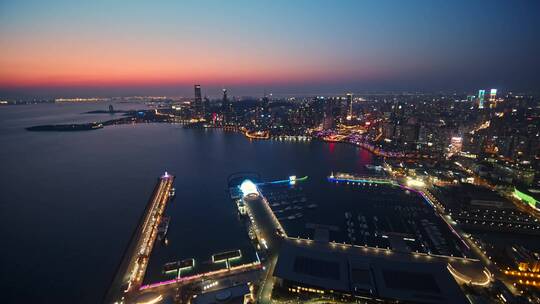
x,y
132,268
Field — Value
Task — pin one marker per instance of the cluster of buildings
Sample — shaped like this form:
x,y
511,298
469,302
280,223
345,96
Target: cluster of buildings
x,y
489,138
486,124
474,160
495,135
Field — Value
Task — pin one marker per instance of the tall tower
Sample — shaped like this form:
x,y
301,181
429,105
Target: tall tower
x,y
225,100
226,107
349,106
481,96
329,118
493,98
199,107
265,101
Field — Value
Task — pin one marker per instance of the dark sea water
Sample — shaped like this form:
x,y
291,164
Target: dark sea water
x,y
69,201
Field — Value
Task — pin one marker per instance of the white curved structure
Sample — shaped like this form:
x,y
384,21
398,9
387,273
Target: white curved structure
x,y
248,187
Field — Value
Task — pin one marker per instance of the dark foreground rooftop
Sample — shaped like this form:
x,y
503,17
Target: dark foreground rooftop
x,y
384,276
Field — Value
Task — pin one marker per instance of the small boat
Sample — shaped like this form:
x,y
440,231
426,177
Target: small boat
x,y
163,227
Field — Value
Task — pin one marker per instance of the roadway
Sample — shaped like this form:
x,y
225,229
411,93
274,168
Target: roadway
x,y
266,226
475,247
233,276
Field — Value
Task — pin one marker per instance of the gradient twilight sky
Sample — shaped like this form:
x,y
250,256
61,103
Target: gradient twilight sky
x,y
127,47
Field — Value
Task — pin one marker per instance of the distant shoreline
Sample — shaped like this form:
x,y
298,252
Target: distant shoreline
x,y
129,117
66,127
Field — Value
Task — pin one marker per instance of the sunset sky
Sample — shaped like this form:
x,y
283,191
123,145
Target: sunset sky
x,y
61,48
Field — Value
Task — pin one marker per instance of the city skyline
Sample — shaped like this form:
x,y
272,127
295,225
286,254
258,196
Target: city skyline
x,y
113,49
260,152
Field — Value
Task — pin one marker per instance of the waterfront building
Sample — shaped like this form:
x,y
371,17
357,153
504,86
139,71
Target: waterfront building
x,y
317,271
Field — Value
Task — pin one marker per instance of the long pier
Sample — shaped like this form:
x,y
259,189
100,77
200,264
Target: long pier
x,y
132,269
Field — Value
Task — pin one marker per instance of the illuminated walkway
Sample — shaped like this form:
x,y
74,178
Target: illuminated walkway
x,y
131,271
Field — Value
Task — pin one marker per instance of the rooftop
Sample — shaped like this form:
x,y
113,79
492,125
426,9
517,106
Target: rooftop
x,y
396,276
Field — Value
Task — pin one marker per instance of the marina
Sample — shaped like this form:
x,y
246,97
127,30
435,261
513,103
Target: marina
x,y
173,258
374,212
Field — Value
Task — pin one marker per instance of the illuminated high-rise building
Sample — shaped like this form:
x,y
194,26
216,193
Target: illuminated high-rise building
x,y
349,106
198,95
456,145
330,112
198,104
493,98
481,96
329,121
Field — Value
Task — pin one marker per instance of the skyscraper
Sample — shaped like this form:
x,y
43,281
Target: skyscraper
x,y
329,118
198,105
198,95
226,107
493,98
225,100
349,106
481,95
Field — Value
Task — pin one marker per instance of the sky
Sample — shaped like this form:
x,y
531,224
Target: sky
x,y
130,47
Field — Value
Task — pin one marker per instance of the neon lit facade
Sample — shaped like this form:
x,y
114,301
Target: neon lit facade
x,y
297,179
481,96
492,95
361,180
253,265
493,98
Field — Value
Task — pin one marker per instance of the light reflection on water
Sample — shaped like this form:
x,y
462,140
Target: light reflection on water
x,y
70,200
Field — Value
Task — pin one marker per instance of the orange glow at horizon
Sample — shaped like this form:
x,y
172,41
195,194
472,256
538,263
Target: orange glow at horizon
x,y
87,62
